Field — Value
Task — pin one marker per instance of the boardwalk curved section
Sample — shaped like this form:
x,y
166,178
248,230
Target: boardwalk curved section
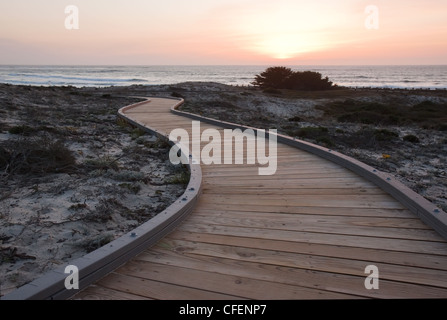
x,y
314,229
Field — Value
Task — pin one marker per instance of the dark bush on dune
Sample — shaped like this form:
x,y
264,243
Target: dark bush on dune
x,y
273,78
308,80
285,78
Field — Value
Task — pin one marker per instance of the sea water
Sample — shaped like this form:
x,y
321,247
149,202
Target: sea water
x,y
432,77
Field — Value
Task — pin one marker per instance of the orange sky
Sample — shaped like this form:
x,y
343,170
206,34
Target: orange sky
x,y
223,32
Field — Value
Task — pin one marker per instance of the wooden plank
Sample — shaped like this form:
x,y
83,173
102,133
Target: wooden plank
x,y
227,284
297,167
292,191
422,260
294,221
326,281
295,183
402,245
290,181
400,273
158,290
355,201
224,171
327,225
366,212
95,292
283,175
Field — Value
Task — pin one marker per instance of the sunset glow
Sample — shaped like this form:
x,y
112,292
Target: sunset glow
x,y
223,32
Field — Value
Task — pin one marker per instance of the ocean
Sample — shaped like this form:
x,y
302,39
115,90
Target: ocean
x,y
427,77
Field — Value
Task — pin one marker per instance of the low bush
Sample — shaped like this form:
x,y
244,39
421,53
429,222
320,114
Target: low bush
x,y
179,178
102,163
318,134
177,95
385,135
275,78
294,119
428,115
93,243
37,156
411,138
22,129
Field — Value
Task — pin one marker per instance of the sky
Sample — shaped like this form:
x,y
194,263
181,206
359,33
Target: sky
x,y
223,32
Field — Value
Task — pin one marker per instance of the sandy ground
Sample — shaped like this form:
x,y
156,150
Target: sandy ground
x,y
120,178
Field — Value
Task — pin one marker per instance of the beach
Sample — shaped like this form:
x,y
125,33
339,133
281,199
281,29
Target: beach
x,y
116,177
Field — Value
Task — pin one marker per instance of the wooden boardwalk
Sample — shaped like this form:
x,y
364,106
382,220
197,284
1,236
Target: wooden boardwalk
x,y
307,232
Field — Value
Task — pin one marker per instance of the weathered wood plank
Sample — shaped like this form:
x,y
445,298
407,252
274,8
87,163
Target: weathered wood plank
x,y
366,212
96,292
227,284
281,175
408,274
354,201
327,225
158,290
402,245
295,222
292,191
326,281
422,260
293,183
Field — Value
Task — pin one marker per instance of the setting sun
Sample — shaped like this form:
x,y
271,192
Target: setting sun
x,y
287,46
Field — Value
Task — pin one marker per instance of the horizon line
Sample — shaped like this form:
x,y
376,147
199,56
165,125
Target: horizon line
x,y
214,65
